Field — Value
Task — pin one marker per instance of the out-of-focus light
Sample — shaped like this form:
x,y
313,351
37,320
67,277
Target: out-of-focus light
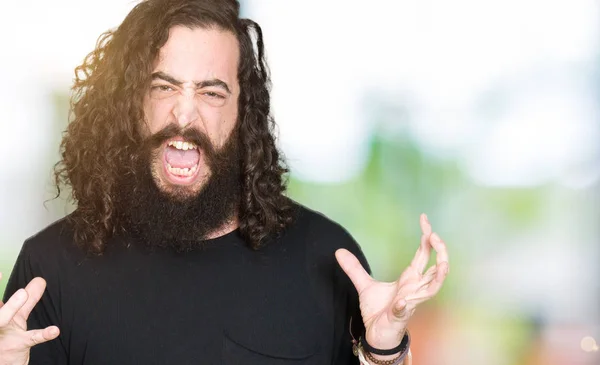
x,y
536,141
588,344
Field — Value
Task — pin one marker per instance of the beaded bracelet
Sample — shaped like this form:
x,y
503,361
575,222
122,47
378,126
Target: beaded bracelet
x,y
403,349
362,349
397,360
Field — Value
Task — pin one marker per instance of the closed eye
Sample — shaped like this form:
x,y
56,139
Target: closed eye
x,y
162,88
213,95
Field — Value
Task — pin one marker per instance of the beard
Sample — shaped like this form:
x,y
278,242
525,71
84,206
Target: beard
x,y
180,217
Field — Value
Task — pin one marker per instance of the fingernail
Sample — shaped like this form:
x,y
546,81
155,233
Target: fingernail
x,y
53,331
426,219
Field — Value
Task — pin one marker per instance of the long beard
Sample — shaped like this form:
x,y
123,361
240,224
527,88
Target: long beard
x,y
181,220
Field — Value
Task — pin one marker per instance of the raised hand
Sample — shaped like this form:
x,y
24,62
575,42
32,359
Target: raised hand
x,y
15,340
387,307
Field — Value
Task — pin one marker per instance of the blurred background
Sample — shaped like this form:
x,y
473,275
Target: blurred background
x,y
483,114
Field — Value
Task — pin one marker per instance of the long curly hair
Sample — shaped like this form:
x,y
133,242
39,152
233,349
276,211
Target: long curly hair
x,y
107,109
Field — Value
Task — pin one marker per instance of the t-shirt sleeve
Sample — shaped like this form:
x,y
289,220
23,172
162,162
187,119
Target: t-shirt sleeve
x,y
332,283
45,312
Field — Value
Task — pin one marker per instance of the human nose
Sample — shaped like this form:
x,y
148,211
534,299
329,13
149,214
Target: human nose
x,y
186,111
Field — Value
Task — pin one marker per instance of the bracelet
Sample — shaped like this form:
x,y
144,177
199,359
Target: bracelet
x,y
400,360
359,350
402,347
395,361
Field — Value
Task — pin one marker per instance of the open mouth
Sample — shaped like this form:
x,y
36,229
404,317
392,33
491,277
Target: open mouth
x,y
181,160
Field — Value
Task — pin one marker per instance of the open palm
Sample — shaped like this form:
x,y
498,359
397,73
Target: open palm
x,y
387,307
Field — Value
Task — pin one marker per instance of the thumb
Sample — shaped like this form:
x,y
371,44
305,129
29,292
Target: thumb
x,y
353,268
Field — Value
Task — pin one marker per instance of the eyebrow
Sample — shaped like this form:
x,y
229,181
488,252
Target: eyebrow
x,y
205,83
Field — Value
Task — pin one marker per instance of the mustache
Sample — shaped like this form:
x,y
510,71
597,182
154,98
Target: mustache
x,y
216,158
191,134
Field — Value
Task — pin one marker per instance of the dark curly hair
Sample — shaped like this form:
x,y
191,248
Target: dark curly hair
x,y
106,110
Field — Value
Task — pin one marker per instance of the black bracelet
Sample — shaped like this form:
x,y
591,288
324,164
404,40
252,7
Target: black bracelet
x,y
402,347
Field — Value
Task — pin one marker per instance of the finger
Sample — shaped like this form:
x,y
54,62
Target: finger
x,y
413,284
423,253
440,248
434,286
36,337
425,225
428,277
35,289
443,268
352,267
432,270
12,306
417,285
417,299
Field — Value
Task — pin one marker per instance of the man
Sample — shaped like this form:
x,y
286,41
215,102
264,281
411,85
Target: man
x,y
183,248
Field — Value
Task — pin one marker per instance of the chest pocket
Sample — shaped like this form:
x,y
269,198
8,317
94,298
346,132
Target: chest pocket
x,y
236,352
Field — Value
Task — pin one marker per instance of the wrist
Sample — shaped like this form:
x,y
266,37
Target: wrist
x,y
385,340
386,356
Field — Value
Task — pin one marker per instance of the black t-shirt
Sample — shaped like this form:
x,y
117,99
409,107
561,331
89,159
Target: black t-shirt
x,y
287,303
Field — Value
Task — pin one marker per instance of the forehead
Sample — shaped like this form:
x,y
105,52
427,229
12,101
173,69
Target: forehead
x,y
198,54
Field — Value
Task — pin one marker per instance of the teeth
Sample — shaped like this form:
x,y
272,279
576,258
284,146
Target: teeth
x,y
181,145
181,172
